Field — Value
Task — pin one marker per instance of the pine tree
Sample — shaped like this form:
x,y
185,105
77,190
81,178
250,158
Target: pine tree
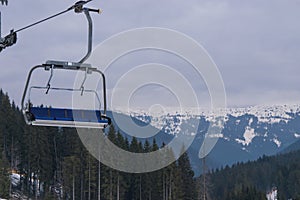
x,y
135,180
91,177
187,177
73,164
71,174
4,177
171,173
109,183
156,178
121,183
146,177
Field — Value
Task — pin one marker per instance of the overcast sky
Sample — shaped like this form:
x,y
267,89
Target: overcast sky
x,y
255,44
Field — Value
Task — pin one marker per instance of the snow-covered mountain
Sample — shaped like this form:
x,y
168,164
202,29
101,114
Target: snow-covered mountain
x,y
247,134
242,125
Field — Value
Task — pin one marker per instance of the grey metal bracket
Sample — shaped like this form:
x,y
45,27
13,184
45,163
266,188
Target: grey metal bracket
x,y
78,8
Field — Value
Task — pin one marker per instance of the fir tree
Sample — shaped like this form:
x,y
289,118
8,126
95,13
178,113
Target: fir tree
x,y
4,177
186,175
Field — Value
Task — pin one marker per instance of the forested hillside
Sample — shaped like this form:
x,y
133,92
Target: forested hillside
x,y
252,180
54,164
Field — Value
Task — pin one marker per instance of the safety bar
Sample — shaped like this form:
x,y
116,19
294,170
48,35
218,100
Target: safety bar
x,y
65,89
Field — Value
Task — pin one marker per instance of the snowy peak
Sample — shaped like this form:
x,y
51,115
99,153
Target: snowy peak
x,y
271,128
173,118
246,134
257,129
268,114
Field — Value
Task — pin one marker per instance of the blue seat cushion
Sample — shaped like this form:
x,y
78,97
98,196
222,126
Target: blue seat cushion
x,y
62,114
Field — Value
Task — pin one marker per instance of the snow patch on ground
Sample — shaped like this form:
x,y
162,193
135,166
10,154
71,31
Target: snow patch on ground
x,y
250,121
297,135
217,135
249,134
15,179
277,142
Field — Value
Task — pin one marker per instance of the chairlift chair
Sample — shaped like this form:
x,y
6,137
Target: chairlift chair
x,y
66,117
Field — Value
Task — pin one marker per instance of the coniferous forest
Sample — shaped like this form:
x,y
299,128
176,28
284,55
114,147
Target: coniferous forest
x,y
53,164
251,180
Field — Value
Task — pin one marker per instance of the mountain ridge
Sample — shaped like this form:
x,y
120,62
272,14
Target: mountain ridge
x,y
247,134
